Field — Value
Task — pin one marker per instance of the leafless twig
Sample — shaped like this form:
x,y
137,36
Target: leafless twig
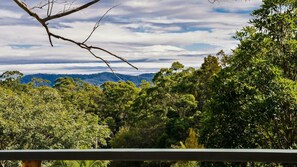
x,y
212,1
98,23
50,16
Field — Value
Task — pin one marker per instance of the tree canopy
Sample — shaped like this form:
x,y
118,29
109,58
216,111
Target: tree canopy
x,y
246,99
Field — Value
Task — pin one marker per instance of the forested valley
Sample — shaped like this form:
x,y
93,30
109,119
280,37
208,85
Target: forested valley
x,y
245,99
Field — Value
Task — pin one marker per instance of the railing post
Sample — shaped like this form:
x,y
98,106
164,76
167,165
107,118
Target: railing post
x,y
31,163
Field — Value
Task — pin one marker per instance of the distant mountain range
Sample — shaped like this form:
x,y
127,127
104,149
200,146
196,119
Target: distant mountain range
x,y
95,79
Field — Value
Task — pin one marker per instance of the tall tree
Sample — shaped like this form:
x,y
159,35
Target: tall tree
x,y
79,94
115,103
253,98
172,106
11,79
276,20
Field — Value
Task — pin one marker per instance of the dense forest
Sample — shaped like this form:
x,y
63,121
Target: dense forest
x,y
247,99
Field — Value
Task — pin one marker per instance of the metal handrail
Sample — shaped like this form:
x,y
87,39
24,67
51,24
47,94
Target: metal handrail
x,y
214,155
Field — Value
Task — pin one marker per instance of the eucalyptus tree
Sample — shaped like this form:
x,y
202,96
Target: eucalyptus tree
x,y
115,103
253,102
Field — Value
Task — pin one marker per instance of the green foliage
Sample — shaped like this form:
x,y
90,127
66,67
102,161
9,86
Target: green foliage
x,y
78,94
37,82
115,103
10,76
34,116
162,113
11,79
253,102
87,163
244,100
37,119
276,20
191,142
144,134
278,126
230,118
167,102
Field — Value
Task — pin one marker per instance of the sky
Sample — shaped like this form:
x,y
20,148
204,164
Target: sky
x,y
151,34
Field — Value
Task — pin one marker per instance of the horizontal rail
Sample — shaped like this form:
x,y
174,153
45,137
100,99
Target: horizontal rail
x,y
218,155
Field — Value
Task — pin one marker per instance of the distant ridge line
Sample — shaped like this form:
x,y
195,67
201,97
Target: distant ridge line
x,y
95,79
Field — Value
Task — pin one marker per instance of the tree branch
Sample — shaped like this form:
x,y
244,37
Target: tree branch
x,y
83,44
98,24
26,9
36,16
63,14
89,48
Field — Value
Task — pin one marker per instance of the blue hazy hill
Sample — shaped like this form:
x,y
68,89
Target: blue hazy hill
x,y
95,79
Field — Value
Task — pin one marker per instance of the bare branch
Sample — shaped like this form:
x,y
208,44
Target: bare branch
x,y
121,58
35,15
98,23
83,45
107,64
105,61
26,9
212,1
88,47
40,6
63,14
50,7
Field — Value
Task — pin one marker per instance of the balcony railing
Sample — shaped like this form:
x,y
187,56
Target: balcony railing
x,y
211,155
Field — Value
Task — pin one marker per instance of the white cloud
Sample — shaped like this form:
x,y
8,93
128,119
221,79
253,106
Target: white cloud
x,y
147,29
9,14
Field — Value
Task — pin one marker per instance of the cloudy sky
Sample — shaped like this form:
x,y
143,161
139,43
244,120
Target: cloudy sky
x,y
151,34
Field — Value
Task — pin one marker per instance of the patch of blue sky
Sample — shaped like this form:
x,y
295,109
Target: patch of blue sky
x,y
23,46
191,29
148,60
182,27
223,10
59,26
141,29
199,46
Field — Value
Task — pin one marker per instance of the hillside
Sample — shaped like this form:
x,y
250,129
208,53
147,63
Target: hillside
x,y
95,79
